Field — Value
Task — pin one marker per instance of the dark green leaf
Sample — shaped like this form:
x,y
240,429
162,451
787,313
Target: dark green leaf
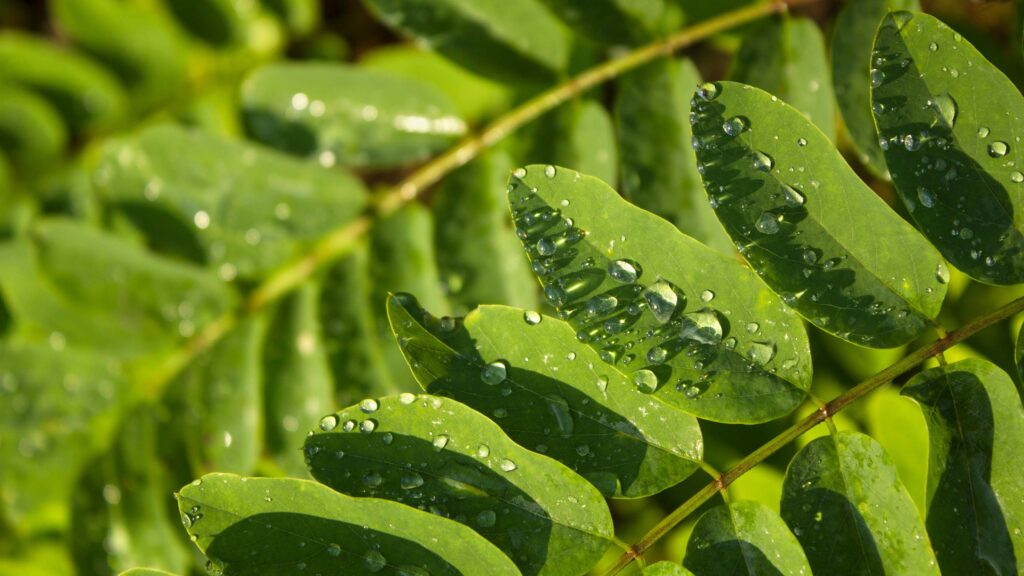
x,y
541,514
685,322
242,209
283,526
513,42
479,257
618,21
845,503
786,57
298,386
349,116
84,93
810,227
948,120
32,133
743,537
852,40
975,489
659,167
555,395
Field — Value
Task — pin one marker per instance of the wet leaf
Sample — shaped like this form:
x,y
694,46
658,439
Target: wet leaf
x,y
975,491
852,40
843,500
786,57
555,395
948,120
541,514
280,526
806,222
743,537
684,322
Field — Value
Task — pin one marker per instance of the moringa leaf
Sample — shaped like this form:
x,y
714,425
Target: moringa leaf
x,y
843,500
555,395
786,57
975,491
948,120
350,116
659,167
804,220
743,537
541,514
242,209
283,526
512,42
852,39
686,323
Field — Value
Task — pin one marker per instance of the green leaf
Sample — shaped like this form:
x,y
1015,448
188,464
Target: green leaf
x,y
57,409
71,285
786,57
592,148
301,17
32,133
475,98
298,386
84,93
222,24
703,333
618,21
281,526
541,514
743,537
225,386
897,424
1018,353
513,42
141,46
659,167
349,116
852,39
479,258
975,490
843,500
555,395
145,572
242,209
948,119
666,568
806,222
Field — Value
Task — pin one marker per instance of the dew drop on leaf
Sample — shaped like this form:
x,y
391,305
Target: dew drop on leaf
x,y
762,161
329,422
507,465
942,273
494,373
374,561
792,196
531,317
440,441
767,223
411,480
998,149
367,426
734,126
645,380
623,271
486,518
369,405
662,301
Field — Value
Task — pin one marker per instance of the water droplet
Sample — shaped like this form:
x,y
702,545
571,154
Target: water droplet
x,y
792,196
583,450
877,77
372,479
708,91
602,383
998,149
983,132
657,355
441,441
734,126
623,271
507,465
494,373
406,398
942,273
367,426
546,247
483,451
801,142
761,352
519,173
559,409
486,518
945,107
645,380
411,480
549,171
531,317
1016,177
767,223
369,405
925,197
661,300
753,327
702,326
374,561
707,296
933,47
329,422
333,550
602,304
762,161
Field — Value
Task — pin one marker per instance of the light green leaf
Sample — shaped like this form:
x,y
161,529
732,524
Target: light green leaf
x,y
281,526
350,116
301,17
900,428
786,57
592,147
479,257
57,409
513,42
224,426
949,121
71,285
806,222
32,133
659,167
703,333
666,568
88,98
298,386
145,572
541,514
552,394
845,503
618,21
852,39
223,24
975,490
141,46
242,209
743,537
1018,354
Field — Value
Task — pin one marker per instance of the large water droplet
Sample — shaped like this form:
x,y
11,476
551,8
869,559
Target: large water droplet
x,y
662,301
602,304
792,196
767,223
645,380
762,161
374,561
550,171
983,132
411,480
702,326
507,465
369,405
998,149
367,426
942,273
333,550
483,451
440,441
877,77
761,351
657,355
734,126
486,518
372,479
925,197
559,409
945,107
623,271
708,91
531,317
494,373
329,422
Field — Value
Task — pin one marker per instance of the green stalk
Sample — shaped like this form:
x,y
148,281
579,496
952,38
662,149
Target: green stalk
x,y
906,364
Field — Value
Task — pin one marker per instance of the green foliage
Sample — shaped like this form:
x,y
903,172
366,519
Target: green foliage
x,y
555,276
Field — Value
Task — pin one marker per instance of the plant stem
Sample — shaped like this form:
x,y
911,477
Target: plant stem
x,y
842,401
338,242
